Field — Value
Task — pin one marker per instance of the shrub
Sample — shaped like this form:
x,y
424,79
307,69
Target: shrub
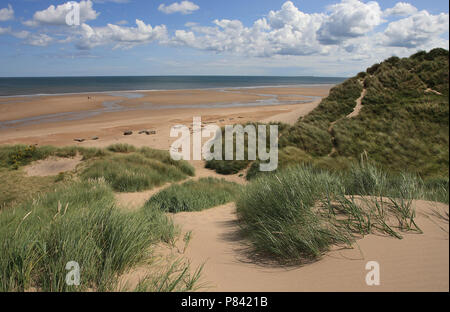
x,y
194,195
121,148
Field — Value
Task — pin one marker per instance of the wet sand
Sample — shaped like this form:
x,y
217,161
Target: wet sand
x,y
58,120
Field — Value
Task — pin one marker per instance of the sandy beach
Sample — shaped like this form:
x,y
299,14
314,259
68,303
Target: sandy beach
x,y
415,263
58,120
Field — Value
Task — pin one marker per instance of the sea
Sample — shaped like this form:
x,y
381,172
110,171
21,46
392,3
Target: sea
x,y
63,85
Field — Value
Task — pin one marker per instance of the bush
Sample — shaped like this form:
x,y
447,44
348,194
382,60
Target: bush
x,y
194,195
234,166
121,148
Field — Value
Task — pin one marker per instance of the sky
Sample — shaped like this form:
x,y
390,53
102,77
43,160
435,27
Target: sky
x,y
213,37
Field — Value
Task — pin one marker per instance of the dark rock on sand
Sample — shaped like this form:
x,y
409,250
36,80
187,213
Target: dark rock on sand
x,y
147,132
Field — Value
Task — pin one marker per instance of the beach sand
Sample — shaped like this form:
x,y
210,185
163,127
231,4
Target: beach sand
x,y
419,262
92,121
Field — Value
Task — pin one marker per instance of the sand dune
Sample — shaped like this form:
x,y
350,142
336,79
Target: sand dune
x,y
419,262
415,263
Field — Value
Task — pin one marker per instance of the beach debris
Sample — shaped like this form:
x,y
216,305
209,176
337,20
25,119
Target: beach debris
x,y
128,132
79,140
147,132
95,138
221,120
231,118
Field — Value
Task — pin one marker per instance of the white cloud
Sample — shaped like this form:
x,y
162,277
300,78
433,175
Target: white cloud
x,y
6,14
57,15
21,34
184,7
41,40
401,9
38,40
284,32
120,36
114,1
348,29
349,19
416,30
4,31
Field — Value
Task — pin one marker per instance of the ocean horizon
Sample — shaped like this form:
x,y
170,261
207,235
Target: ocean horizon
x,y
29,86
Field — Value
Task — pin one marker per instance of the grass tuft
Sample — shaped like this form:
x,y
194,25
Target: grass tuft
x,y
75,223
194,195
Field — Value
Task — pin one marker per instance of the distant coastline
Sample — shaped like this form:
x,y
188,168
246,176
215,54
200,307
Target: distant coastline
x,y
40,86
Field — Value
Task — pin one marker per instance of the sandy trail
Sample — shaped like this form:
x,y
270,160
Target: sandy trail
x,y
355,113
358,106
415,263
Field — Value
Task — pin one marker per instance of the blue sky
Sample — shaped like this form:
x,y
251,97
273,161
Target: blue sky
x,y
212,37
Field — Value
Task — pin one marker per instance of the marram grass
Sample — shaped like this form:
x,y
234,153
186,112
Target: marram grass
x,y
75,223
297,214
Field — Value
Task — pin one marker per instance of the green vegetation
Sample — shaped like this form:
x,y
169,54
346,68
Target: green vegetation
x,y
176,277
338,179
194,195
234,166
16,156
296,214
16,187
403,124
45,222
124,167
132,172
79,222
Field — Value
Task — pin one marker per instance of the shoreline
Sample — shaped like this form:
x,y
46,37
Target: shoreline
x,y
166,90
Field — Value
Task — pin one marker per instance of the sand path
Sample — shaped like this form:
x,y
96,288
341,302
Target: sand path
x,y
358,106
353,114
